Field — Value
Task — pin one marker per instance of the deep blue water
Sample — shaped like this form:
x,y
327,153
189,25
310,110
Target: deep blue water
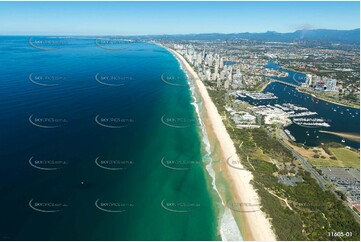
x,y
50,103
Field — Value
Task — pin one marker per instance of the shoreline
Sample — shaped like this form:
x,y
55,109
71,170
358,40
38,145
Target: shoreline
x,y
265,85
326,100
256,226
315,96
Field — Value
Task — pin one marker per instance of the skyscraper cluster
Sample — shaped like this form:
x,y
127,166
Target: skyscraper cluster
x,y
212,67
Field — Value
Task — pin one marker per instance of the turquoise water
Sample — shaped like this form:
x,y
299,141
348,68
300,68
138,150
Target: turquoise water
x,y
99,144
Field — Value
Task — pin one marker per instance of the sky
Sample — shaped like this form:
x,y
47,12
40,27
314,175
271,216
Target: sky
x,y
144,18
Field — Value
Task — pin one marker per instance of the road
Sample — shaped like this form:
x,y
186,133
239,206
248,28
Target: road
x,y
307,165
321,181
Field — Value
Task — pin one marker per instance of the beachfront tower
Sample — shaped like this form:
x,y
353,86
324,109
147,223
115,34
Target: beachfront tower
x,y
309,80
226,84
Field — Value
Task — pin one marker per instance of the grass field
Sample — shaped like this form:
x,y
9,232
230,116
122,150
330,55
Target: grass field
x,y
331,97
259,155
345,158
348,157
326,71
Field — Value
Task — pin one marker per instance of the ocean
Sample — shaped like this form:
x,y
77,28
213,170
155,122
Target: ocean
x,y
100,141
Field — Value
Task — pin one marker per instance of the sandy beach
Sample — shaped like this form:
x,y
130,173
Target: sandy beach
x,y
255,225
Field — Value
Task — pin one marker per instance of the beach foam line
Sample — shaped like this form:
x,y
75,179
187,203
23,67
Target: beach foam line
x,y
228,227
258,226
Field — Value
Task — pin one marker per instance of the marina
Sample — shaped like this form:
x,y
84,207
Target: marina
x,y
309,124
295,104
303,114
261,96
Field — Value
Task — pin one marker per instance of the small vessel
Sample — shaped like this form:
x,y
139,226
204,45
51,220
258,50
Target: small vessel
x,y
343,140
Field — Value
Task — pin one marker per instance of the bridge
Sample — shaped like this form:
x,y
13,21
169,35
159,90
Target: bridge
x,y
286,83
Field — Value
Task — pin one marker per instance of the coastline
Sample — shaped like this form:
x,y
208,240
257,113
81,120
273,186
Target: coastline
x,y
265,85
255,225
327,100
313,95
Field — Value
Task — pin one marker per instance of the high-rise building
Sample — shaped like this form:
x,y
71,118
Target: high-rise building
x,y
221,63
226,84
208,74
309,80
237,79
214,76
219,83
331,85
209,60
222,75
216,64
199,58
316,81
229,78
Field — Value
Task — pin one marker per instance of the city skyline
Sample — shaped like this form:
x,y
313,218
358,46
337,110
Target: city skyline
x,y
154,18
180,121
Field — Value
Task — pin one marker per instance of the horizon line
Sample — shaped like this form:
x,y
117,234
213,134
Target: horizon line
x,y
144,35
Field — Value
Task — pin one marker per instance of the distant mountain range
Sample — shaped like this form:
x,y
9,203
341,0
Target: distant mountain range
x,y
321,35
